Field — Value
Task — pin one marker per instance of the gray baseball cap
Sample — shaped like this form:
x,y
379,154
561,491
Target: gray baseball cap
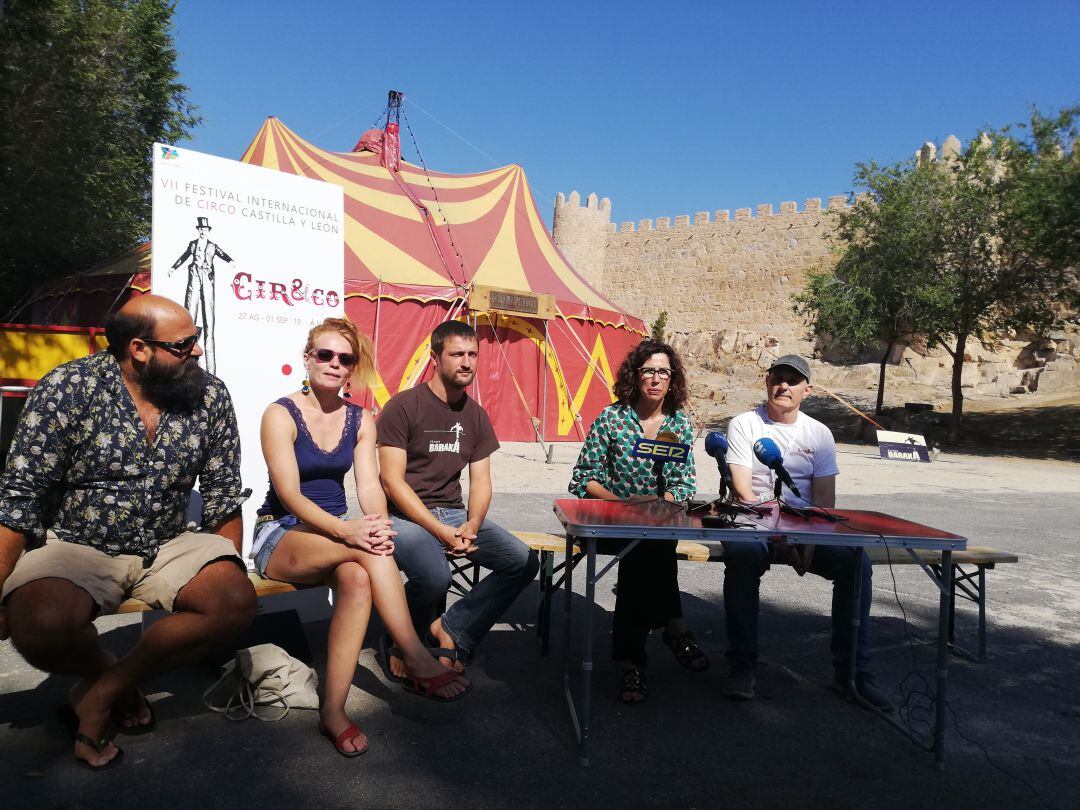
x,y
793,361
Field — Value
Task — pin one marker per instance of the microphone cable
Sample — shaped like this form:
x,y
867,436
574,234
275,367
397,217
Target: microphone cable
x,y
918,701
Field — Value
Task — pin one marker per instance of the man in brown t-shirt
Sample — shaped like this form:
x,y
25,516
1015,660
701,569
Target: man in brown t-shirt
x,y
427,436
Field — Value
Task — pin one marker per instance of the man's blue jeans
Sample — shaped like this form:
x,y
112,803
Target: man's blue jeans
x,y
746,562
422,558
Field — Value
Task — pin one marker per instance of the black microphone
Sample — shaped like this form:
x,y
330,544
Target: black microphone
x,y
768,453
716,445
658,466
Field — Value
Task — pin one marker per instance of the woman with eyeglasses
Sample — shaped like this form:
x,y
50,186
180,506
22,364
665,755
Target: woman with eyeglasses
x,y
651,391
310,440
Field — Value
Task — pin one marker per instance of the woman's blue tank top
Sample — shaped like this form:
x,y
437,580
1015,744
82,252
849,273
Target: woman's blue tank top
x,y
322,473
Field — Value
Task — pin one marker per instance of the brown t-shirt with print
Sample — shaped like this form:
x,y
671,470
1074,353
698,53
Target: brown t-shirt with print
x,y
439,440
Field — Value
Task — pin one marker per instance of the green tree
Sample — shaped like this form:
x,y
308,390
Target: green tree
x,y
658,326
1041,182
873,297
1005,257
959,249
86,86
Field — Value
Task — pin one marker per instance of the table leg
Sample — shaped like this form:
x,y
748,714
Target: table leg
x,y
587,653
568,577
952,608
944,604
856,621
982,614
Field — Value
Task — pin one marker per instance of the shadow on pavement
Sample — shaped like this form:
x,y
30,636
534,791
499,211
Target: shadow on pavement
x,y
510,742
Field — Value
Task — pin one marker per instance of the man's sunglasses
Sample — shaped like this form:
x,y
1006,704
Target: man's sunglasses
x,y
184,346
326,355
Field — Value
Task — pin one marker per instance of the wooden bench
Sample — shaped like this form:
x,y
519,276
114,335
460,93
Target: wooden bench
x,y
263,587
969,577
466,575
969,569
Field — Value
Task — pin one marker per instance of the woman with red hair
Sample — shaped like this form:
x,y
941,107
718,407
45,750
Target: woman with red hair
x,y
310,440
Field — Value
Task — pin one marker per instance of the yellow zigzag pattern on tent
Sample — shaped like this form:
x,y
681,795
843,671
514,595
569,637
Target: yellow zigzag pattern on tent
x,y
379,390
598,358
419,356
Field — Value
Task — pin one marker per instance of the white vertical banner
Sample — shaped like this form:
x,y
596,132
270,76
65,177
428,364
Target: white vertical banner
x,y
257,257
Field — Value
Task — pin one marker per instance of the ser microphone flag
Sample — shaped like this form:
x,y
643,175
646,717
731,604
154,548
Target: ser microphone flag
x,y
768,453
661,449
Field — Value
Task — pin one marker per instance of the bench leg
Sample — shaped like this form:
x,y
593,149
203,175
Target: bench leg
x,y
543,611
971,586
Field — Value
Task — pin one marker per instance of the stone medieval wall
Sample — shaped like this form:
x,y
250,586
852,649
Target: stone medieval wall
x,y
727,282
711,272
583,233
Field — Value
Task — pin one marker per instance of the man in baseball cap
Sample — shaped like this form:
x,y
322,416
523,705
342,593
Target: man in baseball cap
x,y
810,458
792,361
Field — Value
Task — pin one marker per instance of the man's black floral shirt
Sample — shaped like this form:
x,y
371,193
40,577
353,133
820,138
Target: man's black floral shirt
x,y
80,463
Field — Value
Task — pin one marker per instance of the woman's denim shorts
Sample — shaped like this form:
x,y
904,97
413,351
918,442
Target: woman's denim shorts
x,y
267,535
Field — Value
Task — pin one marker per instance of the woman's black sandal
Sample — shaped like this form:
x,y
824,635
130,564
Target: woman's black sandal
x,y
687,651
633,683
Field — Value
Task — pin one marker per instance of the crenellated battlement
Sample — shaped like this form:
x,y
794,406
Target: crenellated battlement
x,y
714,269
811,205
581,233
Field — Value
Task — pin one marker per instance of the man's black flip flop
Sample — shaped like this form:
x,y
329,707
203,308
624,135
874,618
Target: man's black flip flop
x,y
70,722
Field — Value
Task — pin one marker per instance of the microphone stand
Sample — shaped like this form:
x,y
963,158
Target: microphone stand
x,y
661,484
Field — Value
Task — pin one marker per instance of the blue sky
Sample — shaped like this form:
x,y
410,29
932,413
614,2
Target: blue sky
x,y
665,108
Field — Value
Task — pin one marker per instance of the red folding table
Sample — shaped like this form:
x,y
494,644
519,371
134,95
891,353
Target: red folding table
x,y
587,521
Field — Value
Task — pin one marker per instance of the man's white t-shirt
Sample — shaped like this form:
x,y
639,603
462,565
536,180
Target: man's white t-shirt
x,y
807,446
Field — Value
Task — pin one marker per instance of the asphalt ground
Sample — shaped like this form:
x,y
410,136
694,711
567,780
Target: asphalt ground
x,y
1013,730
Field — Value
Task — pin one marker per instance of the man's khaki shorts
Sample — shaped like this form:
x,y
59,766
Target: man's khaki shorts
x,y
110,580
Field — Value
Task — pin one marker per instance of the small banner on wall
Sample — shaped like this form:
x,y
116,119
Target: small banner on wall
x,y
257,257
895,446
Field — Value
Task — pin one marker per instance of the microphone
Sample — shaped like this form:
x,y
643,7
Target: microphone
x,y
664,448
768,453
716,445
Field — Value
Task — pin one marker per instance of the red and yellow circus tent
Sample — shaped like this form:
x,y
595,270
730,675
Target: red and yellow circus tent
x,y
424,246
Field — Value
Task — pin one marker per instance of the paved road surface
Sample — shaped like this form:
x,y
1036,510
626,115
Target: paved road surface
x,y
510,742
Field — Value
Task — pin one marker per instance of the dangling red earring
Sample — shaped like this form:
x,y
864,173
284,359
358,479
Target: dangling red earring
x,y
348,390
305,387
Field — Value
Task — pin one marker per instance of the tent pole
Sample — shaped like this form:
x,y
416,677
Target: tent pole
x,y
543,377
375,341
476,377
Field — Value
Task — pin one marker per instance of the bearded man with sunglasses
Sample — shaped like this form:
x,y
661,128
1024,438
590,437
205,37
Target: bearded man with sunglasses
x,y
93,508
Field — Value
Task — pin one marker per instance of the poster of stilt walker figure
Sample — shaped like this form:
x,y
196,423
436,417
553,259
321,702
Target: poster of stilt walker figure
x,y
257,257
199,294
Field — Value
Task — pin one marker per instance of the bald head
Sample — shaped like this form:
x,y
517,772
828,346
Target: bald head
x,y
144,316
150,306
